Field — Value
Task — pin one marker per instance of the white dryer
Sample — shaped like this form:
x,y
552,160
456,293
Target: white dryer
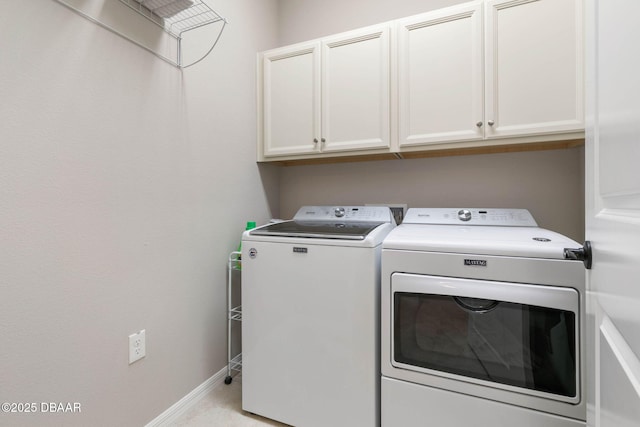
x,y
311,316
482,322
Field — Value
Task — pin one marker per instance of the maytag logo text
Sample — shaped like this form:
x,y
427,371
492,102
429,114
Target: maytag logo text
x,y
476,262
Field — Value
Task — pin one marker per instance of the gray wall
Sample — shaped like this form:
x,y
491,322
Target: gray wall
x,y
302,20
550,184
546,183
124,184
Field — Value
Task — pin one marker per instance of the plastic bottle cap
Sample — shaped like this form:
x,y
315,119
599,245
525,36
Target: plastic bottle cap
x,y
251,225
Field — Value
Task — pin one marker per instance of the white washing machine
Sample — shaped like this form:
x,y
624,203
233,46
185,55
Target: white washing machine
x,y
311,316
482,322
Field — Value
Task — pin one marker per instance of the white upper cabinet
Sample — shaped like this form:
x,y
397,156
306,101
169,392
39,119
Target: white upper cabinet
x,y
291,100
534,63
486,73
493,69
440,76
327,96
355,90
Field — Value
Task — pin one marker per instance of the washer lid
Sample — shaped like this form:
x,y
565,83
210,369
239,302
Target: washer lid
x,y
318,229
531,242
330,222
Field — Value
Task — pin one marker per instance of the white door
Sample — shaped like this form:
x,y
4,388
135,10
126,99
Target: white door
x,y
291,100
534,67
440,76
613,211
355,90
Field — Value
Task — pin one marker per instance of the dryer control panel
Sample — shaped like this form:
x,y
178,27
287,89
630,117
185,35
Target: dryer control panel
x,y
470,216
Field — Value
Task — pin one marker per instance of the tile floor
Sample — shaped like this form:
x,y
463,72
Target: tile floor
x,y
222,407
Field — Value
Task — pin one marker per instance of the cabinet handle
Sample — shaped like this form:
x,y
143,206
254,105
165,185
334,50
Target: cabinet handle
x,y
479,124
323,140
315,140
491,123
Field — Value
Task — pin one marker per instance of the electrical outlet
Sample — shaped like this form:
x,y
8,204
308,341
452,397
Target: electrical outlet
x,y
137,346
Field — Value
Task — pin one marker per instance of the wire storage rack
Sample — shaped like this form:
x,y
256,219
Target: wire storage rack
x,y
234,314
198,14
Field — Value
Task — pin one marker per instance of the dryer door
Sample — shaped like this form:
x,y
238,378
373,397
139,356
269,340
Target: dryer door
x,y
516,337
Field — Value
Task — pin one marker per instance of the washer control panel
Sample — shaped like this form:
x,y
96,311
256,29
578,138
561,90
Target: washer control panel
x,y
468,216
344,213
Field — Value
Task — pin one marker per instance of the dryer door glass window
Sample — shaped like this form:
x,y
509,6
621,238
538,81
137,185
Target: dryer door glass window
x,y
505,342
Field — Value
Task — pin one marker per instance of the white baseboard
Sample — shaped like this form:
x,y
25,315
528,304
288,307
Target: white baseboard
x,y
189,401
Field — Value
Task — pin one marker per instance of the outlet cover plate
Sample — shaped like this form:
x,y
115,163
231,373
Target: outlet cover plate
x,y
137,346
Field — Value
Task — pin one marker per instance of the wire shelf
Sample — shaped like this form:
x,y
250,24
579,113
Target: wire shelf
x,y
233,314
235,364
197,15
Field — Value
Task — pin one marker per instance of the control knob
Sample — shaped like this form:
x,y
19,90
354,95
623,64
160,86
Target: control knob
x,y
339,212
464,215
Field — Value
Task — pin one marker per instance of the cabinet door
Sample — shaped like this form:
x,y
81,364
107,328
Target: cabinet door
x,y
355,90
534,51
440,75
291,100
